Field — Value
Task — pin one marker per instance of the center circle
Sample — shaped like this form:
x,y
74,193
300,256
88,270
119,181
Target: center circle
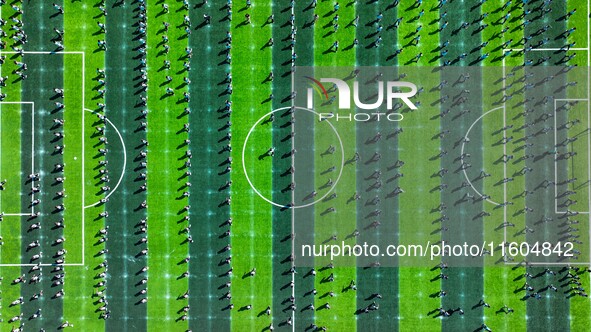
x,y
270,200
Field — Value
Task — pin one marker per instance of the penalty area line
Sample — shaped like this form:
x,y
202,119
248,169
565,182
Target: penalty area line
x,y
124,161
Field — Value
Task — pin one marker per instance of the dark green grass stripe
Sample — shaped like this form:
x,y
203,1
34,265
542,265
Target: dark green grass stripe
x,y
552,311
206,118
282,218
79,308
121,98
251,244
580,311
43,77
166,157
383,280
41,94
305,51
304,233
465,284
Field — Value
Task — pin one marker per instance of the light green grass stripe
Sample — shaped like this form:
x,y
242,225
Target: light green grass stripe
x,y
250,239
10,167
580,308
73,128
498,279
342,222
78,306
578,166
416,203
165,191
579,111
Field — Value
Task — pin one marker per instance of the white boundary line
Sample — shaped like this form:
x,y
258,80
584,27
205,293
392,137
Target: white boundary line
x,y
504,78
41,52
588,126
558,263
589,116
555,162
462,151
33,152
293,192
32,156
124,161
253,187
32,104
545,49
0,140
0,148
30,264
83,152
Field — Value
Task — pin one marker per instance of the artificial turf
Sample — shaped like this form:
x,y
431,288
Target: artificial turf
x,y
305,57
205,267
579,310
385,280
124,238
491,135
251,249
467,282
282,218
41,69
259,231
11,228
167,155
10,120
80,283
415,216
340,315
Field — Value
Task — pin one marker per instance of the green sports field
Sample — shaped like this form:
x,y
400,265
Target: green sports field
x,y
163,163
